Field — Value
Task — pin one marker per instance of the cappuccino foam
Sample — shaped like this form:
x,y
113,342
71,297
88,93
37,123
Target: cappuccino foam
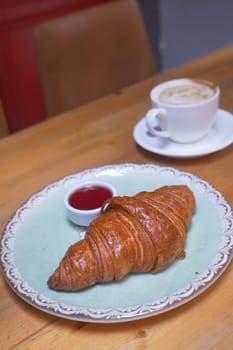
x,y
186,94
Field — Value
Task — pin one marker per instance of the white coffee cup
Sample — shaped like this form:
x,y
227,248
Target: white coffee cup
x,y
183,109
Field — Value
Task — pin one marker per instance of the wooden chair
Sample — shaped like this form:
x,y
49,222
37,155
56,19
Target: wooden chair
x,y
85,55
3,122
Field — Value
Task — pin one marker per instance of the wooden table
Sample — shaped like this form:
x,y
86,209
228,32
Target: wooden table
x,y
97,134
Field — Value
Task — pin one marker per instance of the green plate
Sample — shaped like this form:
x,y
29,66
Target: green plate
x,y
38,234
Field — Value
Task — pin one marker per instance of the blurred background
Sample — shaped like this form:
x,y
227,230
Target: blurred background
x,y
192,28
178,32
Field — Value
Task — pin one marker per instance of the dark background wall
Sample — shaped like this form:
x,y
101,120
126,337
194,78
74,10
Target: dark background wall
x,y
188,28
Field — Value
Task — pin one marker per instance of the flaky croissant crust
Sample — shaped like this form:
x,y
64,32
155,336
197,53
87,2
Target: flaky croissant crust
x,y
143,233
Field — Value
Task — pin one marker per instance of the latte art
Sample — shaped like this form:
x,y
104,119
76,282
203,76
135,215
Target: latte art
x,y
186,94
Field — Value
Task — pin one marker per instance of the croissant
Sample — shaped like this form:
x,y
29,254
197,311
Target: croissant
x,y
143,233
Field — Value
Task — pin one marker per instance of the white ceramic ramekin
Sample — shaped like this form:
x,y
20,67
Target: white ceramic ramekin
x,y
83,217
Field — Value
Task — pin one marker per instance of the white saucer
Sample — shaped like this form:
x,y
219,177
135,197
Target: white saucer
x,y
219,137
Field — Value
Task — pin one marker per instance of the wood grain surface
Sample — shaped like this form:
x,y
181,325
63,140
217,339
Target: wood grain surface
x,y
100,133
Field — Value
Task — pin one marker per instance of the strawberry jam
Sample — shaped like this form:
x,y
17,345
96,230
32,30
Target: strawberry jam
x,y
89,197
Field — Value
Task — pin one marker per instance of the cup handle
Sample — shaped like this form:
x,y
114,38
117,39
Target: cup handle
x,y
154,118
